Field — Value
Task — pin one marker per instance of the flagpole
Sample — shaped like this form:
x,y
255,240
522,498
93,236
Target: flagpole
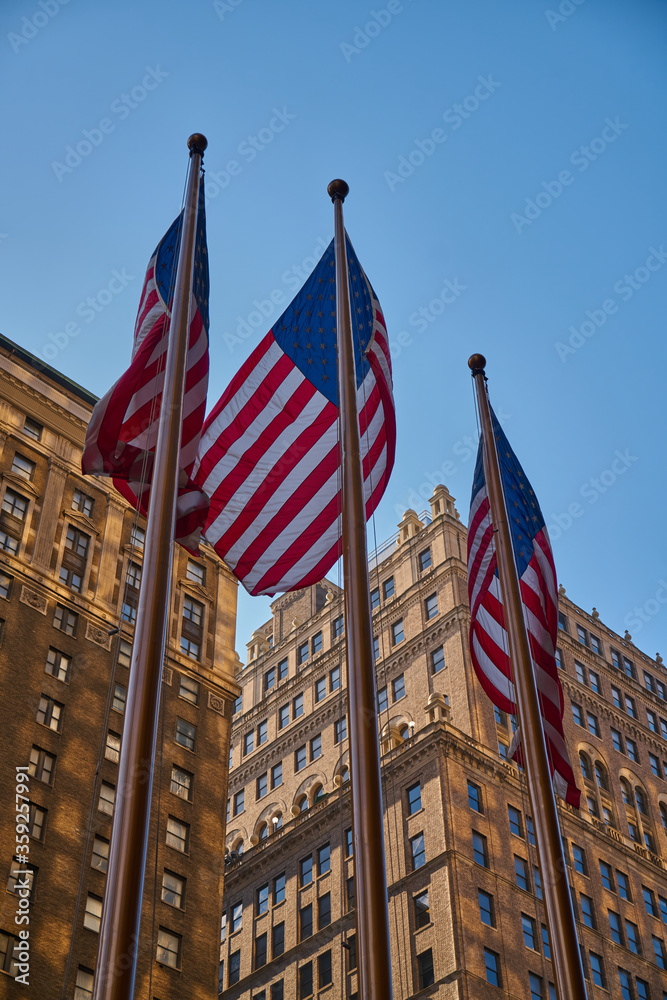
x,y
568,968
121,915
370,881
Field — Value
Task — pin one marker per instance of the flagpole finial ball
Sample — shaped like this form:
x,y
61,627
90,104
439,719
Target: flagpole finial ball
x,y
476,363
338,190
197,143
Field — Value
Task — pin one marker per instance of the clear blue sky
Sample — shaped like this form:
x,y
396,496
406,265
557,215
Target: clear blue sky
x,y
506,164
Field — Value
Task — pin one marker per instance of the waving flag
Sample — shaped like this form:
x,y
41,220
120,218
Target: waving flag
x,y
270,454
489,643
122,434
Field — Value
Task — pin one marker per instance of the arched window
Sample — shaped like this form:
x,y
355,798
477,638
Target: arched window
x,y
404,732
641,802
238,847
263,831
626,792
277,821
663,814
601,776
302,803
586,770
345,774
319,794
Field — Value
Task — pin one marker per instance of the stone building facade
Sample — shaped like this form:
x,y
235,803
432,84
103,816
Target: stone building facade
x,y
71,558
466,912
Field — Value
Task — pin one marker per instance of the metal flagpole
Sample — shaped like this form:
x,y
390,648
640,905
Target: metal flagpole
x,y
121,915
370,878
558,904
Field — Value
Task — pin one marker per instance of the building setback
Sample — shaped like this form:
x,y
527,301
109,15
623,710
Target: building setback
x,y
466,913
71,558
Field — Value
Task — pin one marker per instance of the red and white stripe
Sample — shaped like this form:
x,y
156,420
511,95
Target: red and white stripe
x,y
122,434
270,463
489,642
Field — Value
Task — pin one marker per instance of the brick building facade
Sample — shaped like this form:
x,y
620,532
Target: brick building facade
x,y
71,558
465,900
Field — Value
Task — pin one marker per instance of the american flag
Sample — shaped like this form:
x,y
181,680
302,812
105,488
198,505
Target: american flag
x,y
122,434
489,643
270,452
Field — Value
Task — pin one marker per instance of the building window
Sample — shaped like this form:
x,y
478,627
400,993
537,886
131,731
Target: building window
x,y
178,835
643,991
262,733
283,717
124,653
659,951
297,706
587,911
50,713
236,918
84,983
14,509
279,889
631,749
623,886
262,785
607,876
348,842
425,972
424,560
437,660
21,876
516,821
9,954
625,980
334,679
58,665
75,555
632,934
340,730
537,878
302,653
521,873
248,743
5,585
182,783
23,466
615,927
475,797
300,758
528,927
261,948
376,648
337,627
486,908
351,952
185,734
306,980
431,606
269,679
278,940
65,620
100,856
112,748
234,967
375,599
169,948
597,969
480,849
305,922
492,964
32,429
119,696
196,572
324,969
282,670
398,687
82,502
323,859
93,914
388,588
173,889
324,910
306,871
417,851
593,726
188,689
239,803
107,798
397,632
277,775
42,765
414,798
594,680
536,984
383,700
191,628
316,643
579,859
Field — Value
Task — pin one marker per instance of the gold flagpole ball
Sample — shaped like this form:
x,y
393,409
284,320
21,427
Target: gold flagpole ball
x,y
338,189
